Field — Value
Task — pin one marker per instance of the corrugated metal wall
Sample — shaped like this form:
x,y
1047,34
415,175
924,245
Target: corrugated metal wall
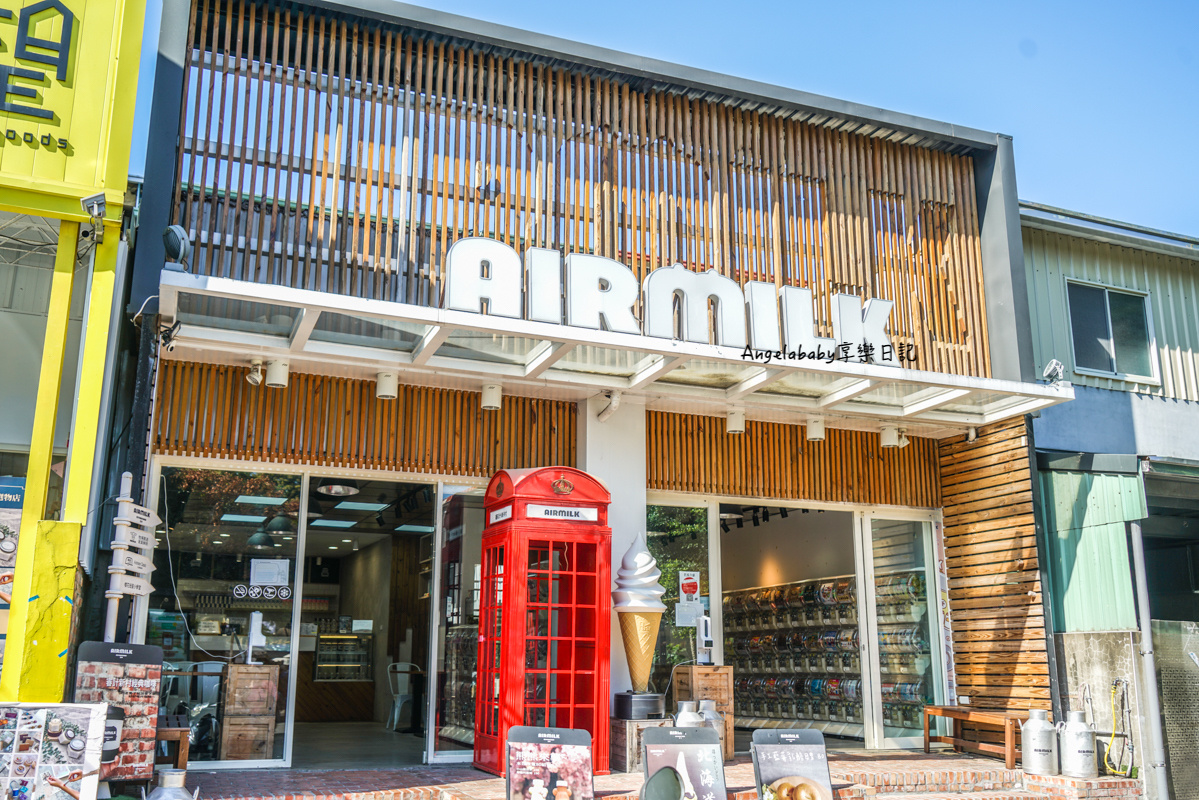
x,y
1084,515
1051,258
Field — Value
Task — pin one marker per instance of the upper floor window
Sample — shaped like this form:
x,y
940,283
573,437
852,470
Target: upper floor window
x,y
1111,331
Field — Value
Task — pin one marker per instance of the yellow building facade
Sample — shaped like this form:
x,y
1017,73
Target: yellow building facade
x,y
68,80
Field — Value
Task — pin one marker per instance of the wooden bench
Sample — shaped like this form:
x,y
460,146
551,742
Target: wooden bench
x,y
1007,720
174,728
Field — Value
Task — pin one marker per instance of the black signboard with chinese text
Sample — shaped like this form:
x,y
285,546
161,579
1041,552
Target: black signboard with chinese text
x,y
694,752
548,764
791,765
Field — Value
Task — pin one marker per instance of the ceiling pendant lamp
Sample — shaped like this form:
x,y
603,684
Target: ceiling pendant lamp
x,y
260,540
338,487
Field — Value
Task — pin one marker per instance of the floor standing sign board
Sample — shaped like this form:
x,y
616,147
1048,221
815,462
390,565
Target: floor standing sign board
x,y
791,765
50,751
694,752
128,677
548,764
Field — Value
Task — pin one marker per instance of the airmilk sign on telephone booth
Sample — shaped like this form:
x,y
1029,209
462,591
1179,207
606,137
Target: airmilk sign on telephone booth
x,y
544,619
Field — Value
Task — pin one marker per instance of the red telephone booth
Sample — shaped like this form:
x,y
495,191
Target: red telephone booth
x,y
544,610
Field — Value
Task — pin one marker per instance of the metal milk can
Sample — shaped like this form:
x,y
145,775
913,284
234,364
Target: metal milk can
x,y
688,716
1077,745
712,718
1038,747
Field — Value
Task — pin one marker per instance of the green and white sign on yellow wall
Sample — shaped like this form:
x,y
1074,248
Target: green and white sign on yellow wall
x,y
68,78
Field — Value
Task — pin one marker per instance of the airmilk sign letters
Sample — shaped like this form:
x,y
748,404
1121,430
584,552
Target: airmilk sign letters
x,y
595,292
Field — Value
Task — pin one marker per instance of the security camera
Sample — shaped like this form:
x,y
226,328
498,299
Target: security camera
x,y
94,205
254,376
178,247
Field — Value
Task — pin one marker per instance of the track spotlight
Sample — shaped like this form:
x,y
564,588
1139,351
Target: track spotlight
x,y
254,376
740,522
724,526
815,430
765,514
755,520
492,395
387,385
736,423
276,374
783,513
355,544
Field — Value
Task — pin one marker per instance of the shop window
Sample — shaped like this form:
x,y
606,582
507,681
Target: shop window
x,y
678,539
1111,331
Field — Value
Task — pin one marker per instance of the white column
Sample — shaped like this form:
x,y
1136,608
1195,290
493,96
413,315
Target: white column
x,y
614,452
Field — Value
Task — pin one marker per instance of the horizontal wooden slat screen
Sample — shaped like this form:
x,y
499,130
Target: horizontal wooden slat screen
x,y
208,410
995,598
325,152
691,453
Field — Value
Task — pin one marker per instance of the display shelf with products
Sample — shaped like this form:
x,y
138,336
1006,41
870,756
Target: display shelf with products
x,y
795,650
343,657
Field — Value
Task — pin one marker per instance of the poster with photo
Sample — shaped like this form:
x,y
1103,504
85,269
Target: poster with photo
x,y
127,676
549,764
51,752
694,752
12,497
791,765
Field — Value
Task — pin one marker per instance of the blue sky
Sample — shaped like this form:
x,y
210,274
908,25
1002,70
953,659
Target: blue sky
x,y
1102,98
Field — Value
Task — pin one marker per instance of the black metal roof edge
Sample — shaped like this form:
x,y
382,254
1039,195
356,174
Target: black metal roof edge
x,y
691,78
1063,461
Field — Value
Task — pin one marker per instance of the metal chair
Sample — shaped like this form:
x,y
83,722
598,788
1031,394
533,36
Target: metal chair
x,y
399,680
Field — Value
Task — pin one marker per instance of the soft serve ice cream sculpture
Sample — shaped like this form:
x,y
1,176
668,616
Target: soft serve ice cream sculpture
x,y
637,601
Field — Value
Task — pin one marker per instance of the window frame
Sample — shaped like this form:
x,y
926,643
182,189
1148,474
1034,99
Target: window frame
x,y
1153,379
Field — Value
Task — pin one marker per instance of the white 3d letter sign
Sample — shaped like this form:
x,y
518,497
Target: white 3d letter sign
x,y
600,293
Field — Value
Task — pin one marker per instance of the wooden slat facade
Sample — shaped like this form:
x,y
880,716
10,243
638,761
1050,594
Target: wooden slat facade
x,y
326,152
691,453
995,597
211,411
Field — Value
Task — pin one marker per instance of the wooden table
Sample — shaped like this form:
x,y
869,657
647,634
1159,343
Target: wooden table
x,y
1007,720
174,728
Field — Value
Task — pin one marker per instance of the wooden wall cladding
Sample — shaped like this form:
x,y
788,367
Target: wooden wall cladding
x,y
995,598
691,453
326,152
211,411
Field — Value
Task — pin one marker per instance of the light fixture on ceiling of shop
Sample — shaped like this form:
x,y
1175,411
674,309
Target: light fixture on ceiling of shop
x,y
387,385
276,374
724,526
355,544
755,518
783,513
815,430
971,434
334,523
337,487
258,500
254,376
354,505
279,524
223,535
890,436
415,528
736,421
730,511
260,540
492,396
765,514
251,518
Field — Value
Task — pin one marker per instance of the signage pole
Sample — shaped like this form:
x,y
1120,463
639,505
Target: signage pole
x,y
115,570
124,560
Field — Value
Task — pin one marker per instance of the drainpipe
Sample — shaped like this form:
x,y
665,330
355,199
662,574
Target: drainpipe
x,y
1152,704
610,409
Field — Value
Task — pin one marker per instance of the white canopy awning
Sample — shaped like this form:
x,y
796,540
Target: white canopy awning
x,y
229,321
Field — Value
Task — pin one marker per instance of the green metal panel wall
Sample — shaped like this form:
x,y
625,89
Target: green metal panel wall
x,y
1090,579
1051,258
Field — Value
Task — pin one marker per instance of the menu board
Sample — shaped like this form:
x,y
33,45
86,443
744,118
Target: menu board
x,y
51,751
128,677
12,498
694,752
549,764
791,765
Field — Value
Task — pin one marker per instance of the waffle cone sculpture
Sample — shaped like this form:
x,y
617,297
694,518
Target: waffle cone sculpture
x,y
637,601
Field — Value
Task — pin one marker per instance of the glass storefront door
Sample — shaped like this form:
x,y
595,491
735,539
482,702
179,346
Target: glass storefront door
x,y
677,537
456,578
902,627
